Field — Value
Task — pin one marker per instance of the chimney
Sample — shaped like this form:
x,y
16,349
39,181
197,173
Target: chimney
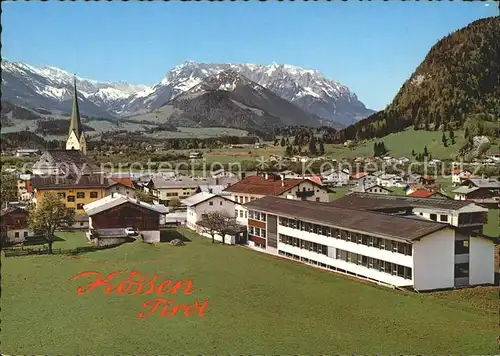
x,y
266,176
282,180
243,175
112,194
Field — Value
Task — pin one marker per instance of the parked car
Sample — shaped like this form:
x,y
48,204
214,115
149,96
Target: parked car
x,y
130,231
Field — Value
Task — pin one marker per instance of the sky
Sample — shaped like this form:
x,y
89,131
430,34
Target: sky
x,y
372,47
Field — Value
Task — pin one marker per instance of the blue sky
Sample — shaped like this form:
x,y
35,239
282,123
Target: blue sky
x,y
372,47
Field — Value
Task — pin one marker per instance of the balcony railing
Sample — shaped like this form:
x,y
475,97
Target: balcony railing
x,y
305,194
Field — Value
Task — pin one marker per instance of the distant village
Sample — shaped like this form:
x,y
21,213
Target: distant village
x,y
423,238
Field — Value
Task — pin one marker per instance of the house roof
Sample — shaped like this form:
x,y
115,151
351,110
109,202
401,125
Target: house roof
x,y
357,220
367,201
421,193
66,160
482,183
358,175
11,209
196,199
260,186
57,182
123,181
213,188
114,200
162,183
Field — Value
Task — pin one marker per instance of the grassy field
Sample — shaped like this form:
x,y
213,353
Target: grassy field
x,y
256,304
402,143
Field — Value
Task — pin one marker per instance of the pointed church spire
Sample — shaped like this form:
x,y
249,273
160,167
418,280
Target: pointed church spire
x,y
75,123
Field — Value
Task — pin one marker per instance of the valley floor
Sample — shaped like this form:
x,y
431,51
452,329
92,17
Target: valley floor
x,y
256,304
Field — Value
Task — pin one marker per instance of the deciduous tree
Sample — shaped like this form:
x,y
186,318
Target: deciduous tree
x,y
217,222
48,215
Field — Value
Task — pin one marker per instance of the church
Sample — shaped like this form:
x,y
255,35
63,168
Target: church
x,y
76,136
73,159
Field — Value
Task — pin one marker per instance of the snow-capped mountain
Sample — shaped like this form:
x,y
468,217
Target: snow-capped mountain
x,y
309,89
51,88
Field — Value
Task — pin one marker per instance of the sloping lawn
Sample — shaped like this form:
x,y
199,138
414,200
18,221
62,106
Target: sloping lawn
x,y
256,304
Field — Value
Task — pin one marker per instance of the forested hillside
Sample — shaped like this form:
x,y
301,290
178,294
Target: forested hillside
x,y
456,86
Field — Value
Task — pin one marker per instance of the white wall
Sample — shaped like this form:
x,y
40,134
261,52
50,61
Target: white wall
x,y
434,261
152,236
347,266
481,261
368,251
218,204
121,189
11,235
72,142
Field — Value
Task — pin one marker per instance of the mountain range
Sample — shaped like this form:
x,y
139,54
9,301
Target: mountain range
x,y
50,88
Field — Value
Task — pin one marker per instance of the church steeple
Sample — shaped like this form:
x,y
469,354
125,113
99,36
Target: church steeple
x,y
76,137
75,123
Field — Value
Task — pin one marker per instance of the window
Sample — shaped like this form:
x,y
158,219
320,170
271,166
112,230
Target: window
x,y
16,234
220,203
401,271
25,234
210,203
407,273
461,247
462,270
251,230
81,224
257,231
250,216
61,195
401,248
80,195
79,206
444,218
246,214
317,199
262,232
236,213
434,217
94,194
263,217
71,198
241,213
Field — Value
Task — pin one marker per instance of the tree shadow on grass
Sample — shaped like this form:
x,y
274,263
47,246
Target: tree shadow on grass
x,y
171,234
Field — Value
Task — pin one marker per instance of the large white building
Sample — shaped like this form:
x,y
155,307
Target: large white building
x,y
403,251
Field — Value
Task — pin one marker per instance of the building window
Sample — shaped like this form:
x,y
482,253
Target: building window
x,y
250,215
462,270
25,234
79,206
461,247
236,213
16,234
433,217
317,199
241,213
94,194
61,195
444,218
220,203
210,203
246,214
71,198
80,195
81,224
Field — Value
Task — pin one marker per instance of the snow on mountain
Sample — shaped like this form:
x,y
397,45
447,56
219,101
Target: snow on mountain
x,y
51,87
309,89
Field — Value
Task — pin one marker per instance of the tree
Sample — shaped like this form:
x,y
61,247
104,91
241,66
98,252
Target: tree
x,y
289,151
321,148
426,152
413,153
444,140
143,196
49,214
217,222
283,142
466,133
8,188
174,203
452,136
